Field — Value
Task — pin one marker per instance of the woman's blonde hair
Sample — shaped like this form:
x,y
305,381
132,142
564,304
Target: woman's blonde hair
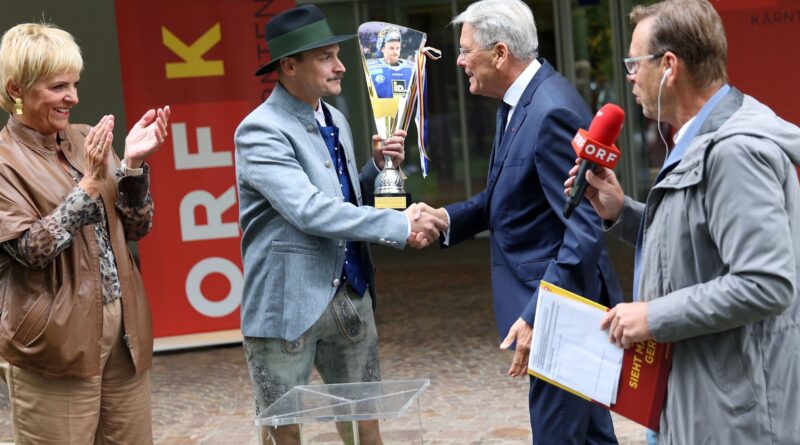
x,y
31,52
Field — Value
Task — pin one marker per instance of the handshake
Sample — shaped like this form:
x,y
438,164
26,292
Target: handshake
x,y
426,224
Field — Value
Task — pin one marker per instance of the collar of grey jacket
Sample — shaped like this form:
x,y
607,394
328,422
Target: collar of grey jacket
x,y
282,98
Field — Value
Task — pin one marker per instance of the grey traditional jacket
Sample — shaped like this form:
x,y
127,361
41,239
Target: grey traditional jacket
x,y
294,219
720,265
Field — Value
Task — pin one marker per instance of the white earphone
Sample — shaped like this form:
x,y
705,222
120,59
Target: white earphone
x,y
667,72
664,77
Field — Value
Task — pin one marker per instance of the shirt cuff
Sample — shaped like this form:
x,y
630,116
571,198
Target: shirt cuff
x,y
133,190
446,241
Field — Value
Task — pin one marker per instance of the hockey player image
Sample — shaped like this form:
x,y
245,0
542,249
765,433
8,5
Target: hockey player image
x,y
390,74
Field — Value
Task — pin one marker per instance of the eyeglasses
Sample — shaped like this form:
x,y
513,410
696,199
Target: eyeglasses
x,y
465,51
632,63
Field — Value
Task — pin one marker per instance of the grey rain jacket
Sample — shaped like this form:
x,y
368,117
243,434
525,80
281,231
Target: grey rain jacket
x,y
720,270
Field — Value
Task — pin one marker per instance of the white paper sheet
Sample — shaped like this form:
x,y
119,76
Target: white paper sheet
x,y
569,348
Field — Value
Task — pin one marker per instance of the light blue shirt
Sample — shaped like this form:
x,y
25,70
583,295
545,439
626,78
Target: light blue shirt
x,y
514,92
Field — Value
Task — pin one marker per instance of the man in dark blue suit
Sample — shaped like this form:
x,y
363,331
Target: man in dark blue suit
x,y
523,200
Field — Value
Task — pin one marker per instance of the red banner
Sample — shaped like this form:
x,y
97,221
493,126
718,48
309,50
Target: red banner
x,y
762,51
199,57
727,5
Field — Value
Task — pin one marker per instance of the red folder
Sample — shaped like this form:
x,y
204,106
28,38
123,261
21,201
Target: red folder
x,y
643,382
643,379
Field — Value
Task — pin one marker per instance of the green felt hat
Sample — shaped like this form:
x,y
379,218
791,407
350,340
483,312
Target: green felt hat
x,y
297,30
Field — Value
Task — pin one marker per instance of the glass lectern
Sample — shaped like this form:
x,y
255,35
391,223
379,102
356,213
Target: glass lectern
x,y
347,402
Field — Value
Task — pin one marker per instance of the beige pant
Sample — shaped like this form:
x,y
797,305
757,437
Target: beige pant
x,y
111,409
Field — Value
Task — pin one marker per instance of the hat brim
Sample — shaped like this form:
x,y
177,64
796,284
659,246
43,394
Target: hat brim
x,y
273,64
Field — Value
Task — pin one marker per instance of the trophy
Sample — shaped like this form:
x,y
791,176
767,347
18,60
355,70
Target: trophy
x,y
394,63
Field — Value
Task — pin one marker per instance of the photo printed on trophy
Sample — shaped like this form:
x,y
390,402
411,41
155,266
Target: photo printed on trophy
x,y
389,54
393,59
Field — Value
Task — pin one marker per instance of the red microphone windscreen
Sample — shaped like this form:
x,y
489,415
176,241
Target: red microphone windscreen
x,y
607,124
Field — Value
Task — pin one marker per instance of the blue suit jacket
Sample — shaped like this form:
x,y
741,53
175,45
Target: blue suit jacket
x,y
522,207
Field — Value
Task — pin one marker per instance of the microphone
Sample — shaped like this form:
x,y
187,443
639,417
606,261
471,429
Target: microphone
x,y
595,147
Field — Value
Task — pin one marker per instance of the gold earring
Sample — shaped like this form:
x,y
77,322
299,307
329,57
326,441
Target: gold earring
x,y
18,106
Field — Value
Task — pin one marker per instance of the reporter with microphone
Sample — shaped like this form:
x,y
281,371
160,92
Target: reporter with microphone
x,y
717,240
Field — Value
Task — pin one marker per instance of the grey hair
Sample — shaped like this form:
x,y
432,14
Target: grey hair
x,y
508,21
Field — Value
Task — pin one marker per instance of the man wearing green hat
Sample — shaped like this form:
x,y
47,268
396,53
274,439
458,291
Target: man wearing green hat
x,y
309,285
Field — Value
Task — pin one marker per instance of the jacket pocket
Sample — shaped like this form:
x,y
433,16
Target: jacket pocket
x,y
533,270
724,357
33,323
514,162
287,247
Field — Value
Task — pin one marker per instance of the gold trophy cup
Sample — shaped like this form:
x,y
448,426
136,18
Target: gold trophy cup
x,y
390,55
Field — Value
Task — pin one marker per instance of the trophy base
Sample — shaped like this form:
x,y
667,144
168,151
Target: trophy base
x,y
397,201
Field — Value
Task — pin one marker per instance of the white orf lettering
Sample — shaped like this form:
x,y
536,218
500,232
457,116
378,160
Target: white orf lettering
x,y
194,293
590,149
601,154
612,158
579,140
215,207
205,156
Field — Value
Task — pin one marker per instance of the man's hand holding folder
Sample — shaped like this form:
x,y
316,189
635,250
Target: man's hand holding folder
x,y
627,324
571,350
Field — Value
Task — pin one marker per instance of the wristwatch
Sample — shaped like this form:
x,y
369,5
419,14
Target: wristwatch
x,y
127,171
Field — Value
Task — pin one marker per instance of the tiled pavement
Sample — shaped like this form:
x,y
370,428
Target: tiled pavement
x,y
434,320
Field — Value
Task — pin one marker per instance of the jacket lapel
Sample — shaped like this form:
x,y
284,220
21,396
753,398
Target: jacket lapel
x,y
520,113
346,141
305,118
